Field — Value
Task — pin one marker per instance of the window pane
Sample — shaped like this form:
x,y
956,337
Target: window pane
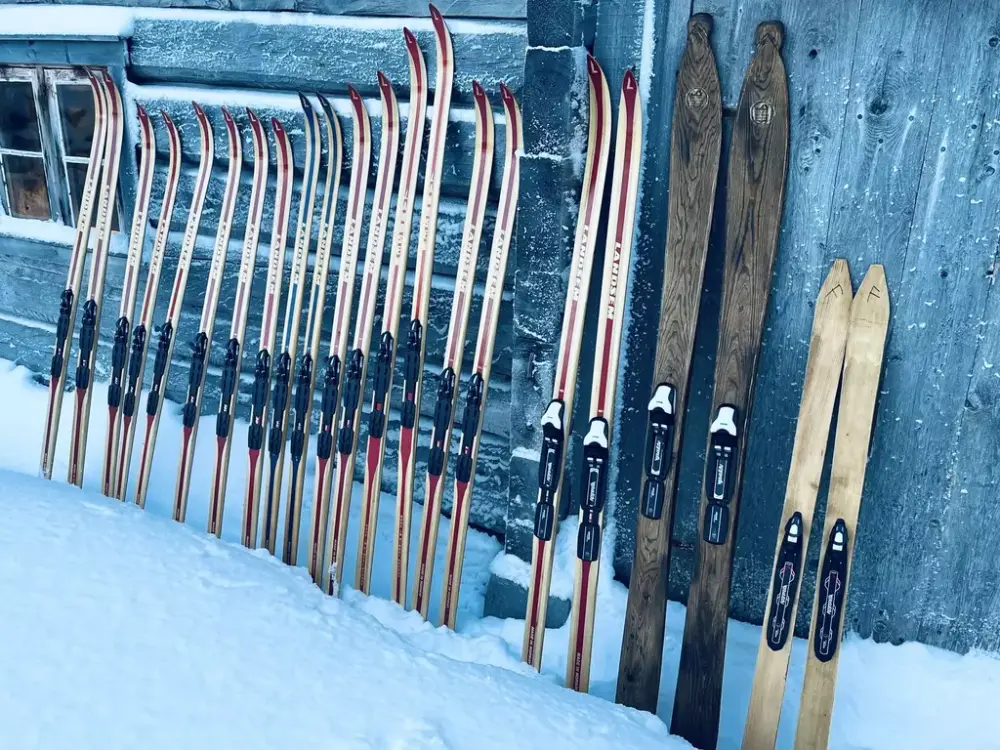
x,y
18,119
27,193
77,178
76,112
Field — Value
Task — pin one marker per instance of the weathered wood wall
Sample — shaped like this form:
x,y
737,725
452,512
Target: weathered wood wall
x,y
895,147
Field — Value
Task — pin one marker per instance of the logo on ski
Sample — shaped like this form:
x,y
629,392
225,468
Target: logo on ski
x,y
696,98
761,113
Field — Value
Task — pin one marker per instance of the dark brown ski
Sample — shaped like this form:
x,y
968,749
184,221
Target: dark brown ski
x,y
695,145
758,164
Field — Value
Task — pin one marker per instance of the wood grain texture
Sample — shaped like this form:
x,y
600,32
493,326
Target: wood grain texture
x,y
822,376
855,415
757,168
695,147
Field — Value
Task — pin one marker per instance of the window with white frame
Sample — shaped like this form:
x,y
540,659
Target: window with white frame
x,y
46,128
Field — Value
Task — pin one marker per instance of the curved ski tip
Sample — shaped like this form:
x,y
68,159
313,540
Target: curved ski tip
x,y
594,67
837,283
771,31
227,117
477,90
140,112
107,77
411,41
252,116
199,112
436,16
505,93
355,98
306,105
628,81
277,127
383,80
700,22
167,120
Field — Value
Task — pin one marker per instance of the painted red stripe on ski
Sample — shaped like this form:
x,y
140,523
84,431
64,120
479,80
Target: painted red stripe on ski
x,y
140,492
581,619
77,425
536,589
371,459
120,474
334,542
220,453
405,437
430,509
179,496
109,447
486,326
461,490
50,420
314,553
596,81
253,218
282,226
251,505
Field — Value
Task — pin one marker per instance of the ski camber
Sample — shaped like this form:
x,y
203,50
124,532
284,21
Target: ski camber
x,y
140,220
391,310
241,307
98,273
207,158
124,453
360,167
825,362
483,358
74,279
482,168
290,339
427,237
570,339
189,435
696,146
285,168
614,291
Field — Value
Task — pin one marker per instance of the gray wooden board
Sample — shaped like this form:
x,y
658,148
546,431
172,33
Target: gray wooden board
x,y
316,54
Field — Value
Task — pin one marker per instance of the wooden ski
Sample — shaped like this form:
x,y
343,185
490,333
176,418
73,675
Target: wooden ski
x,y
284,364
447,397
385,359
130,286
202,345
695,145
557,418
356,362
862,369
142,332
416,335
826,360
167,337
237,331
478,385
285,166
756,184
71,294
90,322
597,442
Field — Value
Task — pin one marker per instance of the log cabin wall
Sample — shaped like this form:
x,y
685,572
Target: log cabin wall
x,y
894,145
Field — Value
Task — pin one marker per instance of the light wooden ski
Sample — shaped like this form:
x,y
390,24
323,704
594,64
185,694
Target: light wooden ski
x,y
478,385
142,332
695,145
597,442
862,369
447,397
237,331
385,358
823,368
557,419
130,286
758,164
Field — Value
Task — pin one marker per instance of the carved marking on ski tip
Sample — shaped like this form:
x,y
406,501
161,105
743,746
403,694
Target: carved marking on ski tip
x,y
761,113
696,98
837,291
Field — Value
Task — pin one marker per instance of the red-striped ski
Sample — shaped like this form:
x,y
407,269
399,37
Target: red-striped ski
x,y
392,306
281,390
123,328
90,323
141,332
447,396
70,295
237,331
413,365
593,481
556,420
202,344
475,395
268,332
165,342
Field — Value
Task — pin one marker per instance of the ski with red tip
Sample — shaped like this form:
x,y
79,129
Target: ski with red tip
x,y
354,371
202,343
556,420
90,322
237,332
268,332
399,251
141,332
413,356
597,442
123,327
447,396
165,342
475,395
70,295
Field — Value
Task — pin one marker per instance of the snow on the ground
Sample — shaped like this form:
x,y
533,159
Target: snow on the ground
x,y
123,629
